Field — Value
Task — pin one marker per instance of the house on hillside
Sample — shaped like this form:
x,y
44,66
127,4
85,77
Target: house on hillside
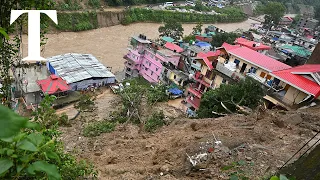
x,y
204,78
152,62
252,63
26,84
295,87
80,71
259,47
54,85
286,21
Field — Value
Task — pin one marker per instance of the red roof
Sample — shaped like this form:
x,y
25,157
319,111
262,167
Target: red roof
x,y
53,84
306,69
229,47
298,81
265,62
289,18
173,47
205,56
250,44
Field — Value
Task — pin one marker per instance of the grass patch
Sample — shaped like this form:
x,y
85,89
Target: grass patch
x,y
97,128
155,121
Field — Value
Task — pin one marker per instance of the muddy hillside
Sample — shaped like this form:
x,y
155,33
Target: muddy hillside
x,y
252,146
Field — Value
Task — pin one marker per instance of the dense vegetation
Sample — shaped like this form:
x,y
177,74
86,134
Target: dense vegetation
x,y
171,29
248,92
31,149
133,2
77,21
146,15
220,38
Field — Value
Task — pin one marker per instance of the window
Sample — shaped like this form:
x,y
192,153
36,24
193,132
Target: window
x,y
151,73
208,74
174,76
262,74
224,81
237,62
157,69
194,62
146,69
252,70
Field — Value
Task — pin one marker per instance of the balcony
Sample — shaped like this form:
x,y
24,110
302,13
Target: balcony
x,y
202,79
232,74
197,92
194,102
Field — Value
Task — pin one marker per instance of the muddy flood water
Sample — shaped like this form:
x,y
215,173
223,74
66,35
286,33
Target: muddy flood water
x,y
109,44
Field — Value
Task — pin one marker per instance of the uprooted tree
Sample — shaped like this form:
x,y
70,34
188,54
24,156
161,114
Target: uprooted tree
x,y
136,97
231,98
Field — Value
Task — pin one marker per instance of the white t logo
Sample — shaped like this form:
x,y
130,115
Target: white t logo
x,y
33,30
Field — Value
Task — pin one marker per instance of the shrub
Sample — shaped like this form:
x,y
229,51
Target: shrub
x,y
69,5
64,119
94,3
155,121
97,128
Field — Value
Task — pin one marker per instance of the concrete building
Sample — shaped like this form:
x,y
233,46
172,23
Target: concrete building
x,y
310,23
26,84
296,86
80,71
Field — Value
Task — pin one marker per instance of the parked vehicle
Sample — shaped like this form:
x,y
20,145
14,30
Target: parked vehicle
x,y
190,3
167,4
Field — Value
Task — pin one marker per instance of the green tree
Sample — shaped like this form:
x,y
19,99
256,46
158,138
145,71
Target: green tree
x,y
317,12
220,38
29,150
197,28
171,29
10,49
189,38
248,92
198,6
274,11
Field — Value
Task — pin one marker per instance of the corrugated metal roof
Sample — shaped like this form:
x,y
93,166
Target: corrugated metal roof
x,y
74,67
298,81
258,59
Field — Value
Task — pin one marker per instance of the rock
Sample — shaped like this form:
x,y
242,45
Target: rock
x,y
293,119
149,146
279,123
194,126
198,136
97,154
248,158
165,168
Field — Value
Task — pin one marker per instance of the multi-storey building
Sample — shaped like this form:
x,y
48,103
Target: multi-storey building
x,y
151,62
204,78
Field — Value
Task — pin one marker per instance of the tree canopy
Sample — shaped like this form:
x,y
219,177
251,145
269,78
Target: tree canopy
x,y
220,38
274,11
171,29
246,92
197,28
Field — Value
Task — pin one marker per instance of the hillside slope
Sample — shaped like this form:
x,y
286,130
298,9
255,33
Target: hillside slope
x,y
252,146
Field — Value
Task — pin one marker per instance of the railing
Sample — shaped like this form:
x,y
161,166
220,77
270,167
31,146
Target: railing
x,y
193,89
234,75
194,102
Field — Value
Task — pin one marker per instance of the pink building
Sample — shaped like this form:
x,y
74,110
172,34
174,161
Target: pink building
x,y
147,60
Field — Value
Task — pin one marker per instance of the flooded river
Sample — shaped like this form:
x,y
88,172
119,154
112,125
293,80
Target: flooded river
x,y
109,44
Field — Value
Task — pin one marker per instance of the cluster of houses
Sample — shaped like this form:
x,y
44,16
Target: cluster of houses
x,y
196,70
62,76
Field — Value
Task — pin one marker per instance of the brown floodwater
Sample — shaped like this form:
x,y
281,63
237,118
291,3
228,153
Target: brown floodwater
x,y
109,44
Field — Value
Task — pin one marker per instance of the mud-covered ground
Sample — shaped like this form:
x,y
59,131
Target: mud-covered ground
x,y
261,143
